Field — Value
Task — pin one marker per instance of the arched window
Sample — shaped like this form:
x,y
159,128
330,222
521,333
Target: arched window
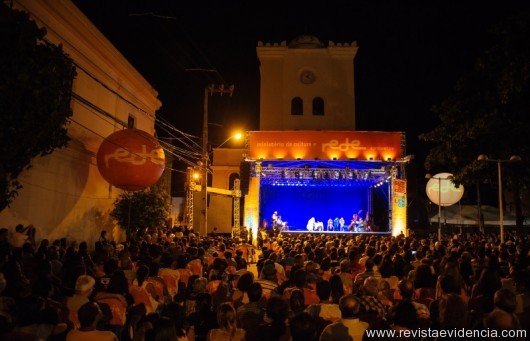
x,y
318,106
297,106
231,180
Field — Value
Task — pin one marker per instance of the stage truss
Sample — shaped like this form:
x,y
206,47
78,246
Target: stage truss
x,y
305,175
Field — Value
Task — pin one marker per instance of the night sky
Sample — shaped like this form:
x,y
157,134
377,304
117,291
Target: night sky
x,y
411,53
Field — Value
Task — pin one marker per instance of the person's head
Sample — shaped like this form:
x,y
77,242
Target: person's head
x,y
406,289
300,278
404,315
423,277
254,292
19,228
336,284
349,306
163,329
369,264
110,266
89,314
118,283
297,301
371,286
323,290
204,303
277,309
505,299
226,317
245,281
500,320
269,272
303,327
345,266
84,285
142,273
453,311
199,285
448,284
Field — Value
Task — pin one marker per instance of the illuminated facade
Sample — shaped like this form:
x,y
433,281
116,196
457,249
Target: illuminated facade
x,y
308,139
64,194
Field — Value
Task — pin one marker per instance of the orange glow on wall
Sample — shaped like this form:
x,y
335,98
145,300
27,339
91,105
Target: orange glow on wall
x,y
324,145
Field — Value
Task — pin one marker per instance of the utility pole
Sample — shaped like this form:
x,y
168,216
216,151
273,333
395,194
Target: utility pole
x,y
208,91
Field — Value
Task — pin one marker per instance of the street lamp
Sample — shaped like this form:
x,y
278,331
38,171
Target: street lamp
x,y
513,158
236,136
439,178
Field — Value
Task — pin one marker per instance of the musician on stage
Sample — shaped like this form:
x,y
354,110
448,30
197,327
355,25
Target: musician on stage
x,y
311,224
336,224
341,224
274,218
329,227
368,222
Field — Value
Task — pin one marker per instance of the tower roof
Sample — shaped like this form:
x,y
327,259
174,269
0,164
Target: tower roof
x,y
306,41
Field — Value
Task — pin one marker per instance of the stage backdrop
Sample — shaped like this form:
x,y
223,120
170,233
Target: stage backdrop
x,y
297,204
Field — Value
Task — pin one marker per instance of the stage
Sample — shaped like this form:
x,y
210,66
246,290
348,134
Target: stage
x,y
348,233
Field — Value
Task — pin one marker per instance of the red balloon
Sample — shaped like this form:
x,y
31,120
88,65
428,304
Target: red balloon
x,y
131,159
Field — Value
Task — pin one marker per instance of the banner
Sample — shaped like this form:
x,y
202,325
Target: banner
x,y
325,145
399,207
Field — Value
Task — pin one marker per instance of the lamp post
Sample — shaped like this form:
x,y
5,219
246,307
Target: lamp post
x,y
439,178
236,136
513,158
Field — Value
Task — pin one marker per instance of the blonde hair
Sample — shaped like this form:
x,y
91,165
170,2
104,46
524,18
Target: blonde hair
x,y
84,283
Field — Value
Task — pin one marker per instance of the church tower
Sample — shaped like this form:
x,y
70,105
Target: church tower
x,y
306,85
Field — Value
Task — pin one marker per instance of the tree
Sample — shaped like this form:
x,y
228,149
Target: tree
x,y
35,90
488,113
141,209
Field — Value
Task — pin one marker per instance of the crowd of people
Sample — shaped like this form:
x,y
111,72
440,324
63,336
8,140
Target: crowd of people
x,y
172,284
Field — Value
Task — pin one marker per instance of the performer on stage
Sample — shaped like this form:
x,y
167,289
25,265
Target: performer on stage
x,y
319,226
311,224
336,224
368,222
278,226
341,224
329,227
274,218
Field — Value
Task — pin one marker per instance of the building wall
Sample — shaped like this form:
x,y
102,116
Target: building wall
x,y
226,161
281,70
64,195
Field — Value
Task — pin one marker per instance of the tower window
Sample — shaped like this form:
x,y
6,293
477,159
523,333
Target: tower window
x,y
318,106
297,106
131,122
232,178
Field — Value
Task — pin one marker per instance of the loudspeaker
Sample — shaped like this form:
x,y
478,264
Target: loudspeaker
x,y
244,174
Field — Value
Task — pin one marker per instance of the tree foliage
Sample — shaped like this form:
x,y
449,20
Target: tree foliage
x,y
35,90
141,209
489,112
